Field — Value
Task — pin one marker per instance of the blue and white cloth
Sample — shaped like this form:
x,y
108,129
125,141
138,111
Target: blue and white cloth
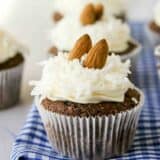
x,y
32,142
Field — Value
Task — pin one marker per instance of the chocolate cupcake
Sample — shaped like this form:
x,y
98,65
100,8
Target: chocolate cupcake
x,y
87,103
94,23
11,67
114,8
153,28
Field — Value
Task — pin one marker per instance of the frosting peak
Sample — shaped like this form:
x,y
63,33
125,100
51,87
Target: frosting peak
x,y
66,80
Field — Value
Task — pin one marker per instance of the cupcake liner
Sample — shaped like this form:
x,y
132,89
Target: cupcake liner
x,y
133,56
10,80
91,138
153,37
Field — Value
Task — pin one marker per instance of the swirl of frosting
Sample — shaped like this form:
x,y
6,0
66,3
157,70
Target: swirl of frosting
x,y
116,33
64,80
157,14
8,47
112,7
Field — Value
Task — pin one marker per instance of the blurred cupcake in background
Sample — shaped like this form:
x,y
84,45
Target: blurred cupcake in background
x,y
87,103
153,29
62,8
157,55
94,23
11,68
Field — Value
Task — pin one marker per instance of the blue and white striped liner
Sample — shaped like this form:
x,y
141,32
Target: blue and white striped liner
x,y
32,142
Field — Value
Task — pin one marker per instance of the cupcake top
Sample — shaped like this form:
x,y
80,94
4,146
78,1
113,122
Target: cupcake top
x,y
86,75
9,47
115,31
156,16
112,7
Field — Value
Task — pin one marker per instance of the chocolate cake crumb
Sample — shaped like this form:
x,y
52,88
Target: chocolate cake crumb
x,y
86,110
154,27
53,50
57,16
12,62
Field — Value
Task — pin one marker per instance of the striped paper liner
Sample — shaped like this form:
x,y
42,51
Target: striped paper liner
x,y
10,81
91,138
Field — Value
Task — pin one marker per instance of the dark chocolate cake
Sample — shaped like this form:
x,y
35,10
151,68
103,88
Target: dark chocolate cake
x,y
85,110
12,62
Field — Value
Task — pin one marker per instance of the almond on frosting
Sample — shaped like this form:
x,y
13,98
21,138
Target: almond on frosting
x,y
116,33
69,80
88,15
111,7
91,13
82,46
97,56
99,9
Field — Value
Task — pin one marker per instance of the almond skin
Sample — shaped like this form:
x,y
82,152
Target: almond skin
x,y
88,15
82,46
97,55
99,9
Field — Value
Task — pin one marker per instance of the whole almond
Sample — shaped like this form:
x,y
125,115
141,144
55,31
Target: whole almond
x,y
97,55
82,46
88,15
99,9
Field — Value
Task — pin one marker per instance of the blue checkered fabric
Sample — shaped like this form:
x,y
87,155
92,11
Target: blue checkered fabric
x,y
32,142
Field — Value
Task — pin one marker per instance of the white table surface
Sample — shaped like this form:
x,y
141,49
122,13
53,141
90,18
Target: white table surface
x,y
30,22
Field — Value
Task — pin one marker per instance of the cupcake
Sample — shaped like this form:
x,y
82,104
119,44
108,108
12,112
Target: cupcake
x,y
115,8
97,26
11,67
87,103
153,28
157,56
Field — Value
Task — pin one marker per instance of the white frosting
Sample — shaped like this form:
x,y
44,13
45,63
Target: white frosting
x,y
69,29
115,7
157,14
8,47
112,7
66,80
